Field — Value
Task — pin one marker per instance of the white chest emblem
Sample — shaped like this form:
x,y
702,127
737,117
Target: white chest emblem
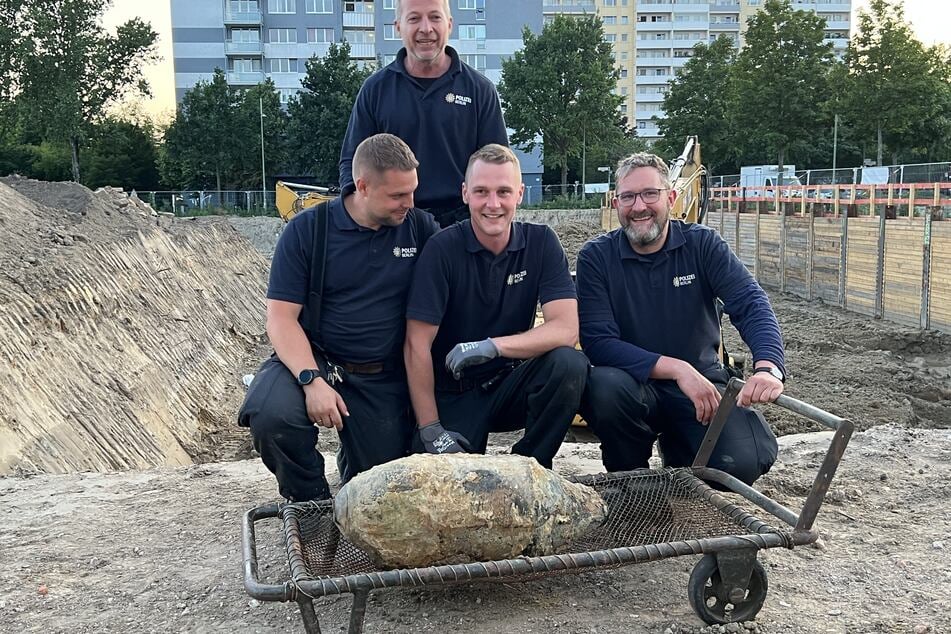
x,y
459,100
515,278
404,252
684,280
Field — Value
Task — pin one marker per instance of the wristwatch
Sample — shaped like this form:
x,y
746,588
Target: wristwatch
x,y
306,377
776,372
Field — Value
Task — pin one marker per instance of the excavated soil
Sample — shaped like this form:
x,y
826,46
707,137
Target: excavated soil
x,y
123,339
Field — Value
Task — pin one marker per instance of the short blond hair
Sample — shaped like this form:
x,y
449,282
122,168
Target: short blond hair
x,y
399,9
382,152
496,154
642,159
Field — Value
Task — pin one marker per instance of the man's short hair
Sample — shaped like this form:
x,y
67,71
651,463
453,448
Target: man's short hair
x,y
642,159
496,154
382,152
399,9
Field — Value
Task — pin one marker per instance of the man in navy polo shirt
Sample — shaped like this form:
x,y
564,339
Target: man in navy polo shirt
x,y
650,325
349,374
474,362
444,109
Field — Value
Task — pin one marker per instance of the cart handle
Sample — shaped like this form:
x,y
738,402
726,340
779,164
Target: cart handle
x,y
843,432
258,590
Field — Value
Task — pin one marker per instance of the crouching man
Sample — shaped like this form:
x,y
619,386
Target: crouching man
x,y
650,326
474,362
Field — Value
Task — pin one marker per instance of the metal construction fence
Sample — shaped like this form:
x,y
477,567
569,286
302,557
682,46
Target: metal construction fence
x,y
878,250
911,173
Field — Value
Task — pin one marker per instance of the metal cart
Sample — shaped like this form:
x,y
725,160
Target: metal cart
x,y
652,514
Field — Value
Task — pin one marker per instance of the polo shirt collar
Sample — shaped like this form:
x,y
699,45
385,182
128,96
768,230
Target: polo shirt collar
x,y
516,240
340,218
399,66
675,239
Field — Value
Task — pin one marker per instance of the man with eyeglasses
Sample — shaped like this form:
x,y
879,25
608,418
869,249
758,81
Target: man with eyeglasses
x,y
650,325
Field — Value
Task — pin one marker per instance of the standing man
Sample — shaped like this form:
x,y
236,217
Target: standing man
x,y
444,109
338,336
650,326
475,363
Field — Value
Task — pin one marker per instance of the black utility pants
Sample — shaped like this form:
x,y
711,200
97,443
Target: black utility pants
x,y
628,416
541,395
378,429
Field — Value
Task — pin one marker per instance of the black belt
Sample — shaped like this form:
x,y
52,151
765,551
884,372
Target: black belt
x,y
363,368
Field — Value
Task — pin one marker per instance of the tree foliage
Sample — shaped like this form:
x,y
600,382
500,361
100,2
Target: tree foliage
x,y
320,112
560,87
699,102
780,77
71,69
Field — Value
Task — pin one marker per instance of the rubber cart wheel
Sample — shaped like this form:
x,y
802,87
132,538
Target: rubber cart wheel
x,y
708,596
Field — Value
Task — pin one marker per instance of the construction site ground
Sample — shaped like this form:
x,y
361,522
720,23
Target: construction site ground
x,y
96,540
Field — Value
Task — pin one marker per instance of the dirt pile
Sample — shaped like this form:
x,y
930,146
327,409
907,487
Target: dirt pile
x,y
123,333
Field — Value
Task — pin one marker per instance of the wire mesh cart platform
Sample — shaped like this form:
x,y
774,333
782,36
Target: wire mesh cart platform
x,y
652,515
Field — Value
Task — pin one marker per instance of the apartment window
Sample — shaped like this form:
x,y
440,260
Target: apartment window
x,y
389,4
623,56
623,73
283,65
244,6
388,59
320,6
359,37
246,65
476,61
610,3
245,35
358,7
471,31
624,91
282,6
286,94
389,32
282,36
610,37
623,37
320,36
610,20
624,19
467,4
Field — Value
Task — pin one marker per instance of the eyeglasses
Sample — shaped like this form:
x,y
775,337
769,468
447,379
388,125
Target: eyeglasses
x,y
648,196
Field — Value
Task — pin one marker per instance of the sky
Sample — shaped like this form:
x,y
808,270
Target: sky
x,y
929,19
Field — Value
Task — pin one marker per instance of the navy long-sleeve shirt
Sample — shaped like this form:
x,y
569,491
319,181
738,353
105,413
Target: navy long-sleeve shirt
x,y
635,308
443,123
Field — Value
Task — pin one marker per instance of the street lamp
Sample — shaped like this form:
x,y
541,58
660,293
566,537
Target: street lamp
x,y
263,177
608,170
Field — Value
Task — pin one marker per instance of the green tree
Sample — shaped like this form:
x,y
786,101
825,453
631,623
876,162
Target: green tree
x,y
72,70
560,86
320,112
895,95
200,145
249,106
699,103
122,153
780,78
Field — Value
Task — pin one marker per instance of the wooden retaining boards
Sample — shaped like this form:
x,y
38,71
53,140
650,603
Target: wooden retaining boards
x,y
902,270
939,304
827,259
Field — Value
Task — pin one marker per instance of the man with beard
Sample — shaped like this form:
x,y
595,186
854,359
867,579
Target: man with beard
x,y
650,325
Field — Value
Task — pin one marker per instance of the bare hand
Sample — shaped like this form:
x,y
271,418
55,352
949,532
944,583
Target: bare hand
x,y
325,407
700,391
761,387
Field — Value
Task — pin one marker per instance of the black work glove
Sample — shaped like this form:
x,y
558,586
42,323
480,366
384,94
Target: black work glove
x,y
437,440
470,353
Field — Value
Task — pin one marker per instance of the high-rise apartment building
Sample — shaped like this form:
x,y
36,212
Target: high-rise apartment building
x,y
254,39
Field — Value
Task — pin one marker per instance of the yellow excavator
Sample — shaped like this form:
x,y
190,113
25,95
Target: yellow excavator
x,y
291,198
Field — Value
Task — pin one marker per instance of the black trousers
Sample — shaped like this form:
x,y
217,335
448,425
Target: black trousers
x,y
378,429
628,416
540,395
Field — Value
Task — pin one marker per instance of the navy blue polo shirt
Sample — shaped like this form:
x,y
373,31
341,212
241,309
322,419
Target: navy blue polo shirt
x,y
634,308
366,280
443,122
471,294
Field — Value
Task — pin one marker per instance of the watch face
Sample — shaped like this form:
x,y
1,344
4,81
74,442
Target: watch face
x,y
305,377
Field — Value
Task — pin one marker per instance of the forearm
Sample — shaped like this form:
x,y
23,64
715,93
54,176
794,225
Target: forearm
x,y
291,345
670,368
537,341
419,372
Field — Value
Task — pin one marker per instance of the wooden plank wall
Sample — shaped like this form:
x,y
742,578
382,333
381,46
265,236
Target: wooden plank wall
x,y
729,229
904,243
862,265
939,305
796,261
747,243
770,273
827,259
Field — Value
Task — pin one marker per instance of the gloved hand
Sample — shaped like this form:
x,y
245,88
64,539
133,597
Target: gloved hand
x,y
437,440
470,353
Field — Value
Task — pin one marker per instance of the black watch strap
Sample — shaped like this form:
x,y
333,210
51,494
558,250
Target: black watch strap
x,y
306,377
776,372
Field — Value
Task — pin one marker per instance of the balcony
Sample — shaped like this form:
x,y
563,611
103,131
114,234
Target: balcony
x,y
696,7
666,25
700,39
244,48
653,97
364,20
652,80
723,27
233,18
245,78
837,25
725,8
653,44
360,50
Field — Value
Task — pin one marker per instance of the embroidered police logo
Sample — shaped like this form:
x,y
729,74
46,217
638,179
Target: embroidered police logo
x,y
515,278
404,252
684,280
396,254
459,100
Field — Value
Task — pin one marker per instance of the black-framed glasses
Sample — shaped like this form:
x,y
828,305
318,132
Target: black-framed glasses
x,y
647,195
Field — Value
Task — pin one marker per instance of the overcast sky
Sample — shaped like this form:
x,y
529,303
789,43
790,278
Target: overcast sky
x,y
930,20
